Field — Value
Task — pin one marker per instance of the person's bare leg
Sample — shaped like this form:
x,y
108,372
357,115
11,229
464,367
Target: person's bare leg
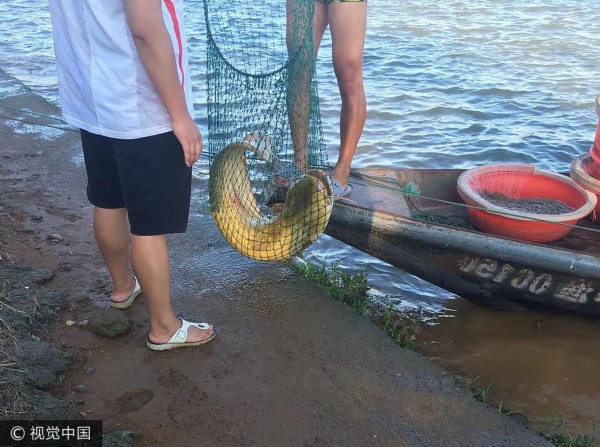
x,y
112,236
348,24
300,77
320,22
150,259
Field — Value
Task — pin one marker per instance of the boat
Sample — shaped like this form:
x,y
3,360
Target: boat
x,y
428,234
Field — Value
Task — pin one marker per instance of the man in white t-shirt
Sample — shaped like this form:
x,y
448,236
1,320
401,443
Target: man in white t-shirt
x,y
124,81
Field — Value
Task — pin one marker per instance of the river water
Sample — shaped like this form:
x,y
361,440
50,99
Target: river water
x,y
451,84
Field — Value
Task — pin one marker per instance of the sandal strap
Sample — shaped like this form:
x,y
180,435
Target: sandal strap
x,y
338,191
180,336
137,285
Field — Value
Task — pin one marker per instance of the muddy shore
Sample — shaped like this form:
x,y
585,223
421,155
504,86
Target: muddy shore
x,y
290,366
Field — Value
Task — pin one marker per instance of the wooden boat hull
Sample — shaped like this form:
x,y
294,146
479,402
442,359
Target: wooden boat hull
x,y
477,266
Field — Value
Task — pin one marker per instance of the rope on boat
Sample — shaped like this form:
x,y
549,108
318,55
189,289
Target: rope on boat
x,y
411,192
393,184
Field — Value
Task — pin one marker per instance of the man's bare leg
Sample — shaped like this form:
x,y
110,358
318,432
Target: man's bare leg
x,y
150,259
112,236
348,23
320,21
300,76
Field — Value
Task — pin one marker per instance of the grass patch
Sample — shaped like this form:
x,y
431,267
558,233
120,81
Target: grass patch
x,y
567,440
4,223
504,409
560,438
403,332
13,401
352,289
482,394
556,432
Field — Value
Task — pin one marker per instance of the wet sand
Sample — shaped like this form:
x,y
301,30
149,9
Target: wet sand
x,y
290,366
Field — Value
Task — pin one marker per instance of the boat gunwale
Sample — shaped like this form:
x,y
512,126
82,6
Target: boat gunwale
x,y
557,259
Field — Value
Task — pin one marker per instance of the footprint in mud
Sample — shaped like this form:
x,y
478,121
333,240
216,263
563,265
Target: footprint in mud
x,y
134,400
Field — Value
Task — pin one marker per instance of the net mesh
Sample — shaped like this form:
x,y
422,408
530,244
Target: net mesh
x,y
268,192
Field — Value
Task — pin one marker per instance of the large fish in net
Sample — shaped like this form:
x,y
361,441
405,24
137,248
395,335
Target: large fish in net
x,y
300,221
261,81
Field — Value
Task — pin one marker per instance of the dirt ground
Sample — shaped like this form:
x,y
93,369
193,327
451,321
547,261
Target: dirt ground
x,y
290,366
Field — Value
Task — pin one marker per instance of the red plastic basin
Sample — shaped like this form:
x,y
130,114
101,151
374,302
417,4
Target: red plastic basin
x,y
522,182
595,159
582,170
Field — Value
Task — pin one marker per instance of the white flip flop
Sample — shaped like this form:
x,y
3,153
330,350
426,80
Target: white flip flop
x,y
178,340
338,191
130,299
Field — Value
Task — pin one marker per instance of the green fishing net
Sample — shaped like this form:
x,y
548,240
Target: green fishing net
x,y
267,191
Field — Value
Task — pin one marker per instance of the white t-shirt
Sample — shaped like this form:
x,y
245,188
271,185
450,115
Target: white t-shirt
x,y
103,86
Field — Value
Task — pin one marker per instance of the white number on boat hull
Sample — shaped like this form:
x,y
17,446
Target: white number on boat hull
x,y
576,291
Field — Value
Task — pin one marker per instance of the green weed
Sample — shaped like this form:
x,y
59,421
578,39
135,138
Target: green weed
x,y
560,438
352,289
349,288
482,394
504,409
403,334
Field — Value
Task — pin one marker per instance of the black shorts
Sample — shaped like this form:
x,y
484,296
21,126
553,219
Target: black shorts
x,y
147,176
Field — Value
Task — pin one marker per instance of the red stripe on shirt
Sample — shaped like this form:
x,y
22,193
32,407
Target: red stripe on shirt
x,y
173,13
